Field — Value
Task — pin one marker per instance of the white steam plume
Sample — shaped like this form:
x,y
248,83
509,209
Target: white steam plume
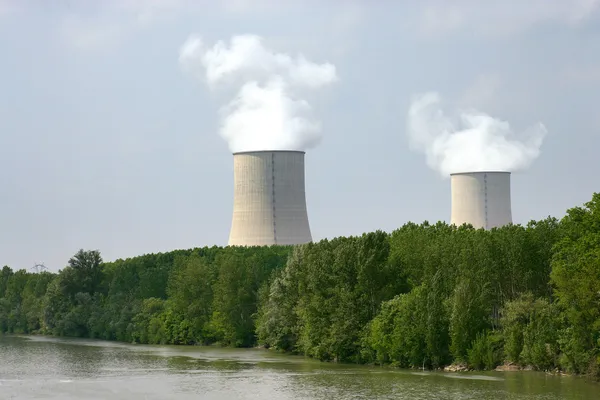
x,y
266,113
472,142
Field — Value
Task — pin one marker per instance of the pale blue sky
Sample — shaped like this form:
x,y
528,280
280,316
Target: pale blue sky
x,y
106,144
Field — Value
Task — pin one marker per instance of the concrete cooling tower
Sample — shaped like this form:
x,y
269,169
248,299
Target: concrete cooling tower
x,y
269,201
481,199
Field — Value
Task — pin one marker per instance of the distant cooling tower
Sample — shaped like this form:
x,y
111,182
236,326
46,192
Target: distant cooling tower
x,y
269,201
481,199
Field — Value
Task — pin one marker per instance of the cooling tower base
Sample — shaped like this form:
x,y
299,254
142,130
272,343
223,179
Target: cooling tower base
x,y
481,199
269,206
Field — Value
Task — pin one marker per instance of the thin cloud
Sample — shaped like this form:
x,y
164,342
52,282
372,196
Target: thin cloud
x,y
85,34
9,7
582,74
263,7
109,23
482,92
438,17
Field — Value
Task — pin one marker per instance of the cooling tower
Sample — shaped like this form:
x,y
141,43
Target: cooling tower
x,y
269,202
481,199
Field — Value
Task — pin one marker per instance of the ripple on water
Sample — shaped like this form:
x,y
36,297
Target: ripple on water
x,y
474,377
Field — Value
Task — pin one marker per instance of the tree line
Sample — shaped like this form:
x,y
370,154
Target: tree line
x,y
427,295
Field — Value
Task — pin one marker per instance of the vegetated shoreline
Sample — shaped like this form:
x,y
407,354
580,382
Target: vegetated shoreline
x,y
423,296
509,367
452,368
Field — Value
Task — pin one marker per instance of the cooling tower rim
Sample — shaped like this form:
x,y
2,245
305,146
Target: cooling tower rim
x,y
268,151
480,172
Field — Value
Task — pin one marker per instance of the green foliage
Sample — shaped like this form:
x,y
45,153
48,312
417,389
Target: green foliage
x,y
422,296
485,351
277,319
397,334
531,327
576,276
327,294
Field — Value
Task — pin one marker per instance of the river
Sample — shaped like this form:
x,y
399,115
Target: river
x,y
35,367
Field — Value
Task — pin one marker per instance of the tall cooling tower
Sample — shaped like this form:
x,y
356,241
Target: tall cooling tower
x,y
481,199
269,201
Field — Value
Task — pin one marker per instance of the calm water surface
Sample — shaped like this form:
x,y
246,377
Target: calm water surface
x,y
49,368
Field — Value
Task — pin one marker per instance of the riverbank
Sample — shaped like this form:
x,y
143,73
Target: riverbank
x,y
65,369
511,367
452,368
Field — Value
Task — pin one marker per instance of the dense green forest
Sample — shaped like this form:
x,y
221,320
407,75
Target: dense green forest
x,y
422,296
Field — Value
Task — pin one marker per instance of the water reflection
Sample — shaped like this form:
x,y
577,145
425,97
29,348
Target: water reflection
x,y
40,367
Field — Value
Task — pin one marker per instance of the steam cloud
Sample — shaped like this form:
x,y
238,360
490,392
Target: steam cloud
x,y
266,113
472,142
